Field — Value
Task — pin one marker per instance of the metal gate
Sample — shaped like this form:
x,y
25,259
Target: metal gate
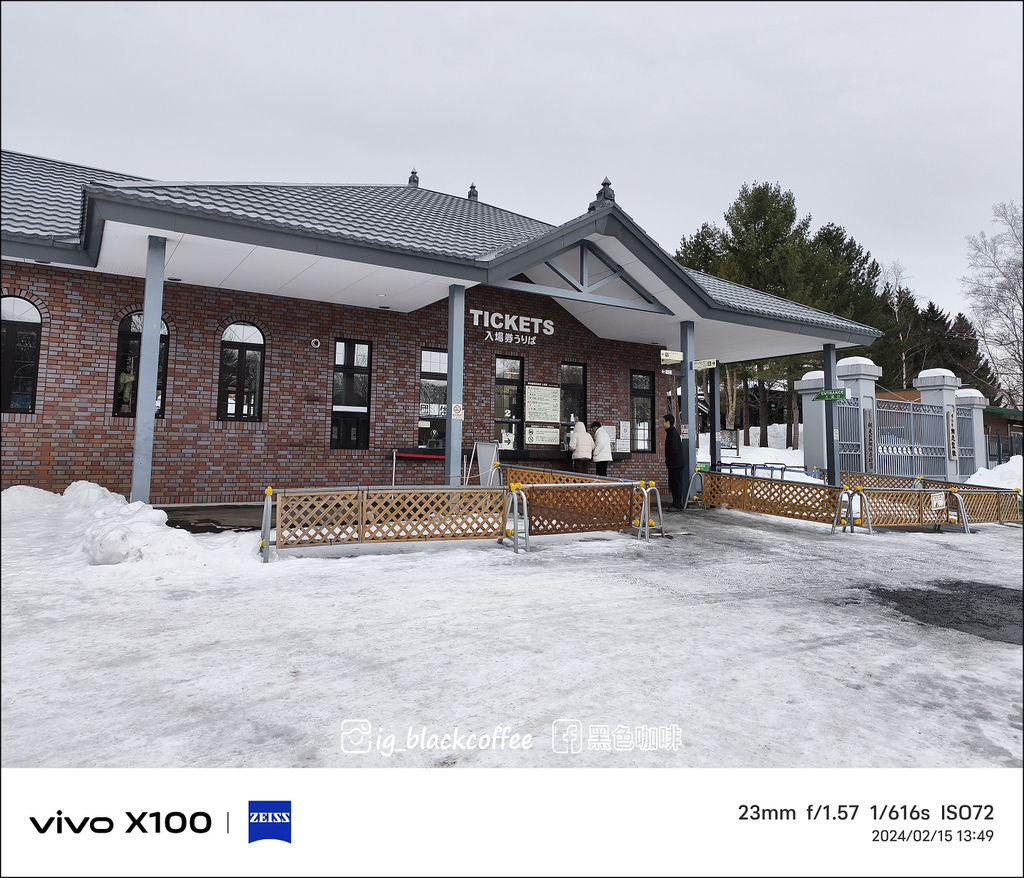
x,y
848,422
965,441
911,439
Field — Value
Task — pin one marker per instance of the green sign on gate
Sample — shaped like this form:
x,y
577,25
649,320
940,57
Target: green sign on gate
x,y
831,393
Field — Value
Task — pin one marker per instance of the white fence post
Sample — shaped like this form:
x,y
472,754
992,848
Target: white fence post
x,y
814,419
859,375
938,387
976,402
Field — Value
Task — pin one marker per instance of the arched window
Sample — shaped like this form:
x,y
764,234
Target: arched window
x,y
240,390
126,375
22,328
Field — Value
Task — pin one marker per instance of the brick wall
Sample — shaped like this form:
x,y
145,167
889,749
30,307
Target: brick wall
x,y
196,459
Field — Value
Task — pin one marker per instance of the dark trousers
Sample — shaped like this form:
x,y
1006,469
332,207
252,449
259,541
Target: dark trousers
x,y
601,467
579,465
675,485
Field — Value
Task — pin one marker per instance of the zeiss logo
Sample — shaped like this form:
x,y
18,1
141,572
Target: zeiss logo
x,y
270,820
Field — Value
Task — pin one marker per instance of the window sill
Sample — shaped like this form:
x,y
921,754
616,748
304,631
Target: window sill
x,y
238,426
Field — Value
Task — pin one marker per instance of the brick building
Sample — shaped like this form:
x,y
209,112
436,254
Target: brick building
x,y
300,335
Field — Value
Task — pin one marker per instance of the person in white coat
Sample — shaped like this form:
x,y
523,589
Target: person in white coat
x,y
582,447
602,449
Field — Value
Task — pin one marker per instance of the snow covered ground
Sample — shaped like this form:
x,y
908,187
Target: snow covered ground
x,y
741,641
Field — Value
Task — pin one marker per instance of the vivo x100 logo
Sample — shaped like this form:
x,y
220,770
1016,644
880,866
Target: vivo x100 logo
x,y
144,822
270,820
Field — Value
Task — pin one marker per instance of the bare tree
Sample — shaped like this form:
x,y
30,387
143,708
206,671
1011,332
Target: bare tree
x,y
903,306
995,289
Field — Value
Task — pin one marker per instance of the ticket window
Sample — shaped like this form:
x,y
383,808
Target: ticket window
x,y
431,425
572,398
508,402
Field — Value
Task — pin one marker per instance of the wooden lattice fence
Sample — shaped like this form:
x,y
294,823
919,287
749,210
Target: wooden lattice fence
x,y
771,496
529,476
525,475
578,507
374,515
932,503
982,505
887,507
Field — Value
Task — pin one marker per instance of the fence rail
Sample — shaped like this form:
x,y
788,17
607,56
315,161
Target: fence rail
x,y
771,496
376,515
983,505
892,501
525,475
558,503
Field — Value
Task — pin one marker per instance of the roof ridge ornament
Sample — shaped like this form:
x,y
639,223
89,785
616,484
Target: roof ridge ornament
x,y
605,198
472,192
414,179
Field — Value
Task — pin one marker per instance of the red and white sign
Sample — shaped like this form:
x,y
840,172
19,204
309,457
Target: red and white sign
x,y
458,413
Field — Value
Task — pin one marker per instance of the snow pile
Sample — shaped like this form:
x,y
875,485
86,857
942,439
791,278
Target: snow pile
x,y
1007,475
102,525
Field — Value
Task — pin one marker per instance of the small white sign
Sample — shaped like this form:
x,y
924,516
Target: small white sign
x,y
702,365
457,412
671,357
542,435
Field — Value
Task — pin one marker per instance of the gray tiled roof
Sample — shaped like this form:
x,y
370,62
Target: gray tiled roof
x,y
42,198
735,297
395,217
43,201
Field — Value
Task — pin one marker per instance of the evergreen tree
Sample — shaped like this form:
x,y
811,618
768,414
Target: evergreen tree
x,y
964,359
900,320
766,245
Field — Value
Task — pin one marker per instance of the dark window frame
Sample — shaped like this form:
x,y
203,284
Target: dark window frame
x,y
8,393
434,422
634,423
515,421
242,350
129,340
350,425
565,424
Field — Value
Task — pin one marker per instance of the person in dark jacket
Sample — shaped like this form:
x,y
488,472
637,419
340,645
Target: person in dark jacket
x,y
675,460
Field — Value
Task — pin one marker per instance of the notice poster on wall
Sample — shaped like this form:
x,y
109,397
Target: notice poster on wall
x,y
543,403
541,435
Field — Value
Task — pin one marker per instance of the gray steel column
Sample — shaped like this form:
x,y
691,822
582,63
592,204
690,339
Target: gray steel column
x,y
456,364
831,419
715,414
149,360
688,400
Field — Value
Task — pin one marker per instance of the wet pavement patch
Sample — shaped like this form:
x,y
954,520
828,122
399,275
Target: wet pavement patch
x,y
987,611
210,518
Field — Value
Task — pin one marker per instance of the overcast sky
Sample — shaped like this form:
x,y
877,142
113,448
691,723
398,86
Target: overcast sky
x,y
901,122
